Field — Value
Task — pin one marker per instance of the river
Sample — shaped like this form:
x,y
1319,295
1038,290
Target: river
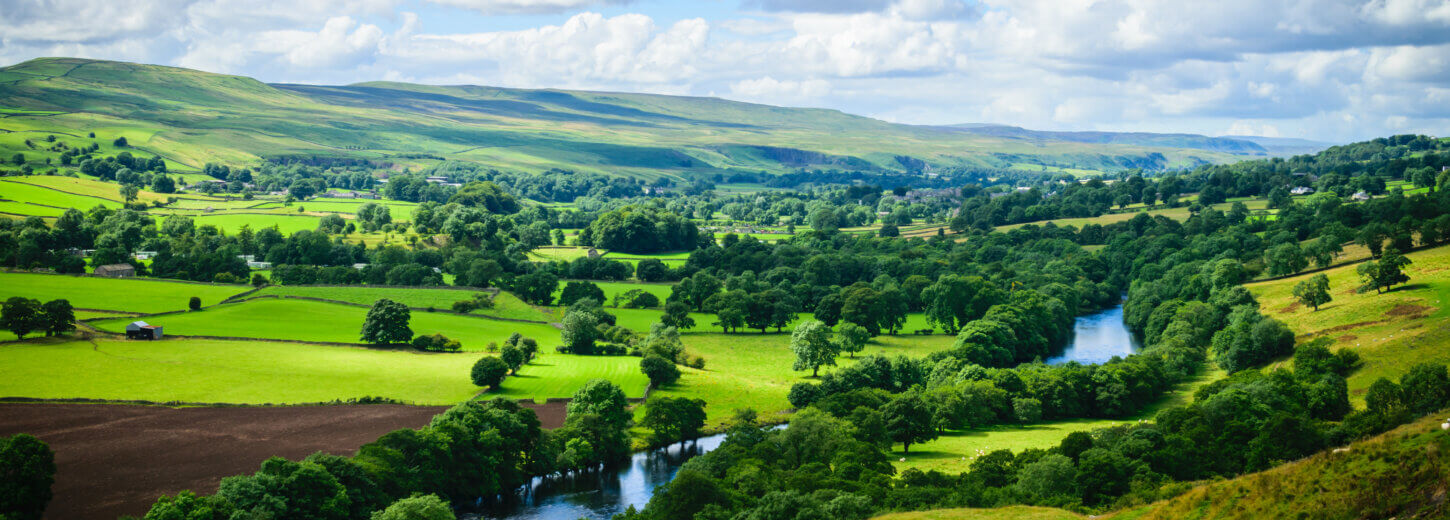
x,y
1097,338
601,494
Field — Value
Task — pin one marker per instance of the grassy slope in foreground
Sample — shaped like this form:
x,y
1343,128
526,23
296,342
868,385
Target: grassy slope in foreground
x,y
1400,474
255,372
1391,331
131,295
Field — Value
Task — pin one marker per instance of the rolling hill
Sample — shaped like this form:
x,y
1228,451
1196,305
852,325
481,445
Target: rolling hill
x,y
192,117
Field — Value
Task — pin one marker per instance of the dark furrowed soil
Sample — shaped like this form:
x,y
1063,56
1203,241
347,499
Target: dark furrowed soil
x,y
114,460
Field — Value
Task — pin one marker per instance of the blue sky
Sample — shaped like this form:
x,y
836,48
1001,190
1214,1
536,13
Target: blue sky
x,y
1336,70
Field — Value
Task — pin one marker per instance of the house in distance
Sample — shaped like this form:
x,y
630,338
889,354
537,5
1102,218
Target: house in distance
x,y
142,330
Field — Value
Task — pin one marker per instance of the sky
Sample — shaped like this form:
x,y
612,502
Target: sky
x,y
1331,70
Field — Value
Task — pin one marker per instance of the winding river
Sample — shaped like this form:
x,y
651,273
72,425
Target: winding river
x,y
599,495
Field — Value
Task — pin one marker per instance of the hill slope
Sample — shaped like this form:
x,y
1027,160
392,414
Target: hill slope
x,y
1399,474
193,117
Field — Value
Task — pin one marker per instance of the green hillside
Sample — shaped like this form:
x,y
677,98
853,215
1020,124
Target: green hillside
x,y
191,117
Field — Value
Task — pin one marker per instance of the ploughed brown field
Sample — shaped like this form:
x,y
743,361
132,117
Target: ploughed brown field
x,y
114,460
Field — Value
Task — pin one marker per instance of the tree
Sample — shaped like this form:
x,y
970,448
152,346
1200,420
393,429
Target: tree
x,y
489,371
194,303
1383,274
163,184
537,287
860,305
1314,291
677,315
59,317
813,348
420,507
129,192
22,316
1051,476
578,290
673,418
258,280
1027,410
601,398
1285,259
27,470
513,357
851,338
386,323
188,506
580,331
660,371
909,419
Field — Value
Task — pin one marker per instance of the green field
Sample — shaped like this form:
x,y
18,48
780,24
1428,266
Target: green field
x,y
506,305
233,222
304,320
22,209
1391,331
252,372
18,191
753,370
131,295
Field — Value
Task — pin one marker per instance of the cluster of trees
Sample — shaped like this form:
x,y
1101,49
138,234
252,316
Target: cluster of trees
x,y
489,371
22,316
833,460
474,450
29,472
643,229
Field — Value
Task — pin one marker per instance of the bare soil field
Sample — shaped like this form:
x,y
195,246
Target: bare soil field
x,y
115,460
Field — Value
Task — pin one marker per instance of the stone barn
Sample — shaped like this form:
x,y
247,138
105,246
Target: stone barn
x,y
142,330
116,271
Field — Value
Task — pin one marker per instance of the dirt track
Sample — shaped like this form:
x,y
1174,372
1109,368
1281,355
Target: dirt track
x,y
116,460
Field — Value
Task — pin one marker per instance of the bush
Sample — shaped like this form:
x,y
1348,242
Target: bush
x,y
437,343
660,371
194,303
489,371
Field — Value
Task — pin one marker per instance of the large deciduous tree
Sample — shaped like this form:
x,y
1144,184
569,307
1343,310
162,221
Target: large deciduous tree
x,y
386,323
1314,291
813,348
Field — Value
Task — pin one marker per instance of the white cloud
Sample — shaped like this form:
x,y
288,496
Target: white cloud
x,y
527,6
1252,129
771,89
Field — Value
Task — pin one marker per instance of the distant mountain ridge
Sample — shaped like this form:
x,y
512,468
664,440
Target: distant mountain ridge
x,y
1237,145
192,117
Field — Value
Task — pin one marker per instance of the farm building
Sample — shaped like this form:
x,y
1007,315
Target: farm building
x,y
116,270
142,330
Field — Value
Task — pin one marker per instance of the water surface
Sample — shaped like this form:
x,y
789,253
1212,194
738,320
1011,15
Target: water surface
x,y
1097,338
599,494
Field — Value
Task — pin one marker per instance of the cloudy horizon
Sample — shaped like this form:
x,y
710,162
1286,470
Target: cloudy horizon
x,y
1331,70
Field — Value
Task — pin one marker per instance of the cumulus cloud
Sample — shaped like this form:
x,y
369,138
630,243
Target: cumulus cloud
x,y
772,90
527,6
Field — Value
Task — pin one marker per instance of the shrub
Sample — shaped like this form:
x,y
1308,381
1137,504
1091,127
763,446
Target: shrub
x,y
194,303
436,343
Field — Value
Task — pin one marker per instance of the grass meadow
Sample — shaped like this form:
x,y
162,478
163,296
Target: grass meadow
x,y
506,305
1391,331
304,320
128,295
254,372
752,370
998,513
